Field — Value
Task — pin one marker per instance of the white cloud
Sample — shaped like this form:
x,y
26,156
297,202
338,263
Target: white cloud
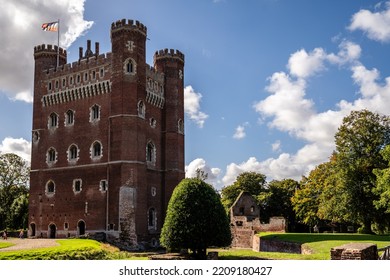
x,y
276,146
302,64
375,24
287,109
20,29
199,163
19,146
192,106
240,132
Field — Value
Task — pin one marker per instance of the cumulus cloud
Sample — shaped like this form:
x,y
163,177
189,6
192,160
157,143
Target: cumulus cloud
x,y
20,29
375,24
18,146
192,101
303,64
289,110
199,163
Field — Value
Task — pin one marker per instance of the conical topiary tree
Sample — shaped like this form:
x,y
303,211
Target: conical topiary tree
x,y
196,219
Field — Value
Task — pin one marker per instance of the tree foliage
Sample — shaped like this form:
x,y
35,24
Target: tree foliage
x,y
277,200
14,179
252,182
359,142
382,188
195,219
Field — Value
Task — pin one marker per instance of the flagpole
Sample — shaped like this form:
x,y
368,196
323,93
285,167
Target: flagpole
x,y
58,44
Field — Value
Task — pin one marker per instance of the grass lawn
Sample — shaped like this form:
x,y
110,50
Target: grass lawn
x,y
70,249
5,244
319,244
79,249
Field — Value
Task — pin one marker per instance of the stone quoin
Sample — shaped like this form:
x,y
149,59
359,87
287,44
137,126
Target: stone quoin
x,y
107,139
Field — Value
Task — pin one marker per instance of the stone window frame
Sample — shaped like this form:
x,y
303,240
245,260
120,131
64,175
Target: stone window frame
x,y
78,79
152,122
63,82
151,153
53,120
66,226
35,136
141,109
57,84
77,185
50,188
103,185
49,86
70,153
152,218
71,80
130,66
85,77
180,126
69,117
93,150
51,156
94,113
101,73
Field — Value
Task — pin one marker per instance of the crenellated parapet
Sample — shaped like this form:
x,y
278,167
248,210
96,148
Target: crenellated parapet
x,y
128,25
80,65
48,50
169,54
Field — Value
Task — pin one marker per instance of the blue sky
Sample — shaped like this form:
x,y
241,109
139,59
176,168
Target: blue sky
x,y
267,81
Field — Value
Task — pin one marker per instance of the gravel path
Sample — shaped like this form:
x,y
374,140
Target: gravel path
x,y
26,244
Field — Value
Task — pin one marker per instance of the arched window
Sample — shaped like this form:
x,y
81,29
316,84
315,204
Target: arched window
x,y
73,153
51,156
95,113
150,153
152,218
50,187
53,120
130,66
69,118
141,109
96,150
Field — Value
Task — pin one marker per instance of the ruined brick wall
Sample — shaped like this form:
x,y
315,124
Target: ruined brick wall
x,y
355,251
276,224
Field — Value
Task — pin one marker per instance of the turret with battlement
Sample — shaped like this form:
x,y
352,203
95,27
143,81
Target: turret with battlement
x,y
108,139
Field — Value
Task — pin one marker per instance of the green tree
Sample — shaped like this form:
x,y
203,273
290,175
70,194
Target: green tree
x,y
14,178
359,141
306,198
252,182
382,188
195,219
277,200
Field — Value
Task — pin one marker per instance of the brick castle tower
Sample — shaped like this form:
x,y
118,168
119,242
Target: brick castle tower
x,y
108,139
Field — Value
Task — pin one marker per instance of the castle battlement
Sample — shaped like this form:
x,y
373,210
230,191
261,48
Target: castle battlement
x,y
48,49
80,65
152,73
170,54
128,25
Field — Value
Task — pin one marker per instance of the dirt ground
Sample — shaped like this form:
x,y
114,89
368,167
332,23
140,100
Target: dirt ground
x,y
26,244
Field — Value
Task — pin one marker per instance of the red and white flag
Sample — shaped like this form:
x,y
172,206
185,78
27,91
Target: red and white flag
x,y
50,26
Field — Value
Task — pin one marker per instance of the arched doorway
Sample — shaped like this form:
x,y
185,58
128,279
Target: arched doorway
x,y
81,227
32,228
52,231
